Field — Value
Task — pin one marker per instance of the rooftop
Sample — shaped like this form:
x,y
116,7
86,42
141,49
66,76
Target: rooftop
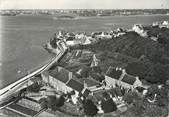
x,y
60,73
114,73
89,82
129,79
76,85
22,110
86,92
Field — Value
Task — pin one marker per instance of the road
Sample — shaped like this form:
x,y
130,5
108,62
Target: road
x,y
7,92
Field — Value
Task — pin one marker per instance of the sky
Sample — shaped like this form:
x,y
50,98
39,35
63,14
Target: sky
x,y
84,4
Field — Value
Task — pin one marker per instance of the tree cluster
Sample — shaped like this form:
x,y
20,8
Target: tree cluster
x,y
52,102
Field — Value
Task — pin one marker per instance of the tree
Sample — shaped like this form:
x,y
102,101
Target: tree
x,y
162,97
158,74
90,108
61,101
51,102
161,94
54,103
108,106
34,87
137,69
152,90
130,97
85,72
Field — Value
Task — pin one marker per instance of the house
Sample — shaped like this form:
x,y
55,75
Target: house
x,y
118,76
102,35
130,81
118,32
57,78
80,40
105,103
87,40
165,24
138,28
156,24
64,81
112,76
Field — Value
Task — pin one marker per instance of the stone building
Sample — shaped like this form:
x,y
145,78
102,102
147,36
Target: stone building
x,y
118,76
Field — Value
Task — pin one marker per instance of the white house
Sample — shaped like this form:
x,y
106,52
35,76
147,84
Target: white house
x,y
165,24
138,28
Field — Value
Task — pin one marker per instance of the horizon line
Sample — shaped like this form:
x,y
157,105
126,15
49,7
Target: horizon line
x,y
85,9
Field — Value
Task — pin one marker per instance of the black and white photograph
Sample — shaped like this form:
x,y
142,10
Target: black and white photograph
x,y
84,58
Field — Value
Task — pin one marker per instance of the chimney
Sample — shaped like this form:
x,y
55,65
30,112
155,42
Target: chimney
x,y
79,71
137,78
123,71
85,85
59,69
70,75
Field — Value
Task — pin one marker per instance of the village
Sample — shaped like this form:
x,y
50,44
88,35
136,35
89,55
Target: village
x,y
79,83
79,86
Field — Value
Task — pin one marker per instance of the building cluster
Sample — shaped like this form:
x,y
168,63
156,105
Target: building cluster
x,y
143,30
139,29
92,86
82,38
161,24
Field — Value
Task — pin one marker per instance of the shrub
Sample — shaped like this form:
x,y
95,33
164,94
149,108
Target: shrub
x,y
90,108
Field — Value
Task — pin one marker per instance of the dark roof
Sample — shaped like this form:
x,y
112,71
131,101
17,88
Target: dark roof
x,y
89,82
76,85
86,93
112,72
62,75
129,79
23,110
140,89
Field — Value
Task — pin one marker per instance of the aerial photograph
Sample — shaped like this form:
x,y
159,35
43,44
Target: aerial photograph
x,y
84,58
